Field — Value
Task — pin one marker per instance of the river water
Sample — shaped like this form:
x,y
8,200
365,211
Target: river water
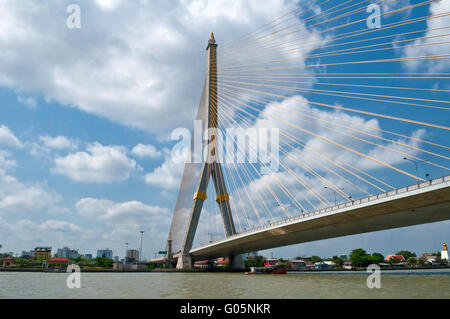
x,y
395,284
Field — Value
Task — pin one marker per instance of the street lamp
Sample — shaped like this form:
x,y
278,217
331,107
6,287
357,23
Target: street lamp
x,y
417,167
140,251
334,192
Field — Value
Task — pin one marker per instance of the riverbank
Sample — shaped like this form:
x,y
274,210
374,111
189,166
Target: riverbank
x,y
158,270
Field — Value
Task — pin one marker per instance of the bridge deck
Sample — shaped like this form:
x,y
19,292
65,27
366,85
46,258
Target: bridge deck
x,y
413,205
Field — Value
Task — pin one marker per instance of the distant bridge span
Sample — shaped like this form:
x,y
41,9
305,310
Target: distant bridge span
x,y
417,204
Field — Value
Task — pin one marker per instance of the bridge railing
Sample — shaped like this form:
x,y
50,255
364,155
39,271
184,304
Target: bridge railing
x,y
347,204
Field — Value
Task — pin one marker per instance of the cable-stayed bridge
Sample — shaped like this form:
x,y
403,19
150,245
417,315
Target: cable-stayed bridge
x,y
319,124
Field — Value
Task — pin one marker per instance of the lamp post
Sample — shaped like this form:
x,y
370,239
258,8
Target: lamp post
x,y
140,250
334,192
417,167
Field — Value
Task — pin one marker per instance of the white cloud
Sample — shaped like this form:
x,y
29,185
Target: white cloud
x,y
168,175
24,198
57,142
100,164
124,212
27,101
4,161
437,65
142,65
8,138
147,150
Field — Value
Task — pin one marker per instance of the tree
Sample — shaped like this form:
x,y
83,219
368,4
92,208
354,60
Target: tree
x,y
337,261
376,258
315,259
254,262
412,261
359,258
406,254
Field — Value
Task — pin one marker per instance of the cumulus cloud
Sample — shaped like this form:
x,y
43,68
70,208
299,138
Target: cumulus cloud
x,y
8,138
57,142
4,161
167,175
136,63
99,164
24,198
147,150
436,28
27,101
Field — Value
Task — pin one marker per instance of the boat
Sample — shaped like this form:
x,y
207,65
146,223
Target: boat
x,y
273,269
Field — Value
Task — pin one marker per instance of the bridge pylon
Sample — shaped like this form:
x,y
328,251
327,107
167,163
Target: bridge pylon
x,y
211,167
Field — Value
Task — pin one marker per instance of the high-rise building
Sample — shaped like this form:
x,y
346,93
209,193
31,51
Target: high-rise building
x,y
88,256
68,253
105,253
132,256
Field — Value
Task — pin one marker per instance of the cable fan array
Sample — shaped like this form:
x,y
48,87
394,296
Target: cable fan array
x,y
353,107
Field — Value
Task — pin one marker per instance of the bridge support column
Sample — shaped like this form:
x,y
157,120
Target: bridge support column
x,y
185,262
236,262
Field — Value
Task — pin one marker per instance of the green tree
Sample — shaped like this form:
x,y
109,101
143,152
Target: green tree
x,y
376,258
359,258
315,259
103,262
254,262
337,261
406,254
412,261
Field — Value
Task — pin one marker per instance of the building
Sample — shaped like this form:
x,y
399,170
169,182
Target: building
x,y
116,259
270,262
66,252
348,265
27,254
132,256
297,264
88,256
42,253
444,252
399,258
8,262
58,262
105,253
321,265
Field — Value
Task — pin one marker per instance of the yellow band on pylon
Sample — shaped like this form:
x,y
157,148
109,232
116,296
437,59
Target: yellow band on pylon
x,y
199,195
222,198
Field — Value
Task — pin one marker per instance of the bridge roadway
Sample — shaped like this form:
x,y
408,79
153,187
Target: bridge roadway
x,y
422,203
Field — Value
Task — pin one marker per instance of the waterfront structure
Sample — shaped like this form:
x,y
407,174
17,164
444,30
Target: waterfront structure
x,y
66,252
399,258
105,253
444,252
132,256
8,262
58,262
42,253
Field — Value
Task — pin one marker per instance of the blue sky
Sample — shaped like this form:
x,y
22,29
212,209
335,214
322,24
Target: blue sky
x,y
86,115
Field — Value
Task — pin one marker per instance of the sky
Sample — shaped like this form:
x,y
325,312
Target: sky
x,y
86,116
